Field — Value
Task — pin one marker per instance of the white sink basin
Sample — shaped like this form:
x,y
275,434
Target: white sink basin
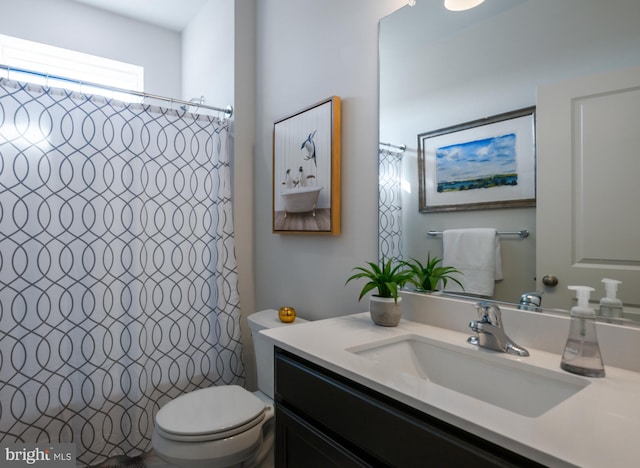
x,y
513,385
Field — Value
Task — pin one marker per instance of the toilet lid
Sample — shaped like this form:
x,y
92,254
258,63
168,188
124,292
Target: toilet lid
x,y
209,411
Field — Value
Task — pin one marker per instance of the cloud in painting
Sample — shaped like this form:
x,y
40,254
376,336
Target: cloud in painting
x,y
476,159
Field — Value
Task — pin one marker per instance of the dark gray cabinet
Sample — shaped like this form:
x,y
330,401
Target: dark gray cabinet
x,y
324,419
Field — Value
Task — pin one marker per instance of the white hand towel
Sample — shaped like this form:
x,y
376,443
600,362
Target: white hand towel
x,y
476,253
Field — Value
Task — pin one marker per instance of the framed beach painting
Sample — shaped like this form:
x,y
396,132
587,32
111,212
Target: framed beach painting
x,y
486,163
306,170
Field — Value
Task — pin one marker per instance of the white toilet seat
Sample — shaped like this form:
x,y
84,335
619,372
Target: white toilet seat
x,y
213,436
227,452
209,414
198,432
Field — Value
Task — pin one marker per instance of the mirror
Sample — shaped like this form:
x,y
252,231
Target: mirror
x,y
440,69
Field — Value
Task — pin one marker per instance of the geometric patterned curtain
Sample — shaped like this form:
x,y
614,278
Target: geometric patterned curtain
x,y
118,277
389,206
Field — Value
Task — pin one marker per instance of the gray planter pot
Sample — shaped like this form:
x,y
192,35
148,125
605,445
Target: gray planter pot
x,y
385,311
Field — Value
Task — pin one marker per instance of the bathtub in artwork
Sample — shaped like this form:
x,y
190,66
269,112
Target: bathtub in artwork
x,y
300,199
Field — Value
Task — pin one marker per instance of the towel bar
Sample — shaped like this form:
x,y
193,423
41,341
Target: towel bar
x,y
522,233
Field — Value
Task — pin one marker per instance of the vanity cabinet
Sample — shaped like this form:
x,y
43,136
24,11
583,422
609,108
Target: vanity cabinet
x,y
324,419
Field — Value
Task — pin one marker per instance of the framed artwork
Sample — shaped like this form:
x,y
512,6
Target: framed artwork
x,y
486,163
306,170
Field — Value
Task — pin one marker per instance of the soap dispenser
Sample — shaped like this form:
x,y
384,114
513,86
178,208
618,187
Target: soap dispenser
x,y
610,305
581,353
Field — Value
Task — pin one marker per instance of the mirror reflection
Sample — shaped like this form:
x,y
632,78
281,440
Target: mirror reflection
x,y
439,69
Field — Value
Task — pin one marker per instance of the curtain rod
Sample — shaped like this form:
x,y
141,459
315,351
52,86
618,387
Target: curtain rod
x,y
227,110
402,148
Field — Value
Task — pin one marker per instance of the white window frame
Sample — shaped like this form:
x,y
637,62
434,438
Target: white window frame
x,y
76,68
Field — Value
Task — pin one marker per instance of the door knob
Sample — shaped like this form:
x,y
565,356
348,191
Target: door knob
x,y
550,280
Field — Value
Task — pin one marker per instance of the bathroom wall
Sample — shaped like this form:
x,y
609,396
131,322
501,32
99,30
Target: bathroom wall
x,y
85,29
218,61
308,51
207,54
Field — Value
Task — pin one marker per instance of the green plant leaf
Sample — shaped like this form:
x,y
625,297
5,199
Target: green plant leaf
x,y
428,276
386,277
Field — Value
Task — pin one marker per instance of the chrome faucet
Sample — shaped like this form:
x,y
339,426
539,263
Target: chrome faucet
x,y
530,301
490,333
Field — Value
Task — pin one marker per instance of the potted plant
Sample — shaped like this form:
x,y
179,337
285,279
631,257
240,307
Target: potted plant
x,y
386,278
428,277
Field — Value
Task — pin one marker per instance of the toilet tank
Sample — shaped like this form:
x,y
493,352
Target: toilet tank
x,y
264,349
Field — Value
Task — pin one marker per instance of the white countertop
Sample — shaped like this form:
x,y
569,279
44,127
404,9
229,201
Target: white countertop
x,y
597,427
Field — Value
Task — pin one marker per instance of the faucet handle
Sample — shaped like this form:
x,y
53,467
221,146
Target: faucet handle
x,y
531,301
489,312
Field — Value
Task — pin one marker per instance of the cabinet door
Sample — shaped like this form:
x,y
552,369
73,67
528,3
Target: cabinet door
x,y
588,165
377,430
299,444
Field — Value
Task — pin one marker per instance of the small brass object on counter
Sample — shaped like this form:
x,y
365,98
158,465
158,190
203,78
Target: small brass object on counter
x,y
287,314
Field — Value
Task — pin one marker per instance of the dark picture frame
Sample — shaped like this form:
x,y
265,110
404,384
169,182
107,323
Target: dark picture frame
x,y
481,164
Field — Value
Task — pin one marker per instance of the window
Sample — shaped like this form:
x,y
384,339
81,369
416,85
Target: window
x,y
54,66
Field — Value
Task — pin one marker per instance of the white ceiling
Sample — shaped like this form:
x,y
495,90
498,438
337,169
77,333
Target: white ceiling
x,y
170,14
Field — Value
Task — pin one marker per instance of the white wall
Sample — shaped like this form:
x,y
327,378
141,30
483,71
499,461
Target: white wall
x,y
208,52
244,130
82,28
308,51
218,49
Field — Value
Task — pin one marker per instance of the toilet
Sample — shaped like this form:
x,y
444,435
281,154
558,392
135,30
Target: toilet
x,y
224,426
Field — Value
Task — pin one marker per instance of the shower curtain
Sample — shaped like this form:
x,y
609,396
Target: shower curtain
x,y
389,206
118,278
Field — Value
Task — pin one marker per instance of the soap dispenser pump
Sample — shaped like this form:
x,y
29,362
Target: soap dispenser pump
x,y
610,305
581,353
